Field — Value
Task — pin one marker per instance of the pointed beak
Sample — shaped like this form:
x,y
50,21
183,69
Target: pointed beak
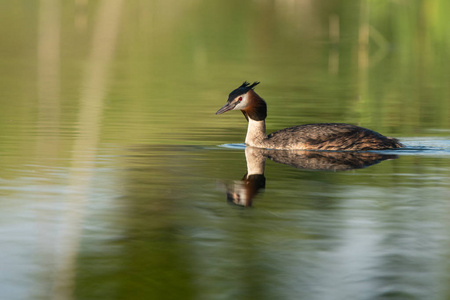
x,y
228,106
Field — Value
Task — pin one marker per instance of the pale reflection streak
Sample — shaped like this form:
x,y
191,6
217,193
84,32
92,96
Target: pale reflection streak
x,y
334,36
367,34
48,88
81,20
91,102
49,75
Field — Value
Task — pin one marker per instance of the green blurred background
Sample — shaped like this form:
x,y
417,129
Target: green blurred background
x,y
170,64
108,147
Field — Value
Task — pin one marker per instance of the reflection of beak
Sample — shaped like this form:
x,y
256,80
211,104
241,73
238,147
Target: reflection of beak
x,y
228,106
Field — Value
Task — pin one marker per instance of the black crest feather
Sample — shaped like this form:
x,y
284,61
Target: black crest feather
x,y
244,88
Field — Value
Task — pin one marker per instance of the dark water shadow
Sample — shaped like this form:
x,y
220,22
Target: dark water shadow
x,y
413,146
242,192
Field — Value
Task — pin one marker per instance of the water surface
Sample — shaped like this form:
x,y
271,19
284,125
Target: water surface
x,y
117,181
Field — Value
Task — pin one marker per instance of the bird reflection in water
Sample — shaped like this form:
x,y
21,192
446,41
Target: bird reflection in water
x,y
241,192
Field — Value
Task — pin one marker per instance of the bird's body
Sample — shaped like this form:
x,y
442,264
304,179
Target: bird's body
x,y
328,136
321,136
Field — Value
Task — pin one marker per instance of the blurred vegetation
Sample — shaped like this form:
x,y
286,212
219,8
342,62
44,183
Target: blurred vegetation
x,y
381,64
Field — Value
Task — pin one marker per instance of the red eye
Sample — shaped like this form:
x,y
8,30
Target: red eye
x,y
240,99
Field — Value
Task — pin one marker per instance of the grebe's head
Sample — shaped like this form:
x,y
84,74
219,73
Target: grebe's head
x,y
239,98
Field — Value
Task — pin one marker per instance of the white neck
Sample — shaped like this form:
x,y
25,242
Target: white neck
x,y
256,133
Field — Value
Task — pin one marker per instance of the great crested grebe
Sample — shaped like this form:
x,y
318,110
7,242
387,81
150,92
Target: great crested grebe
x,y
323,136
